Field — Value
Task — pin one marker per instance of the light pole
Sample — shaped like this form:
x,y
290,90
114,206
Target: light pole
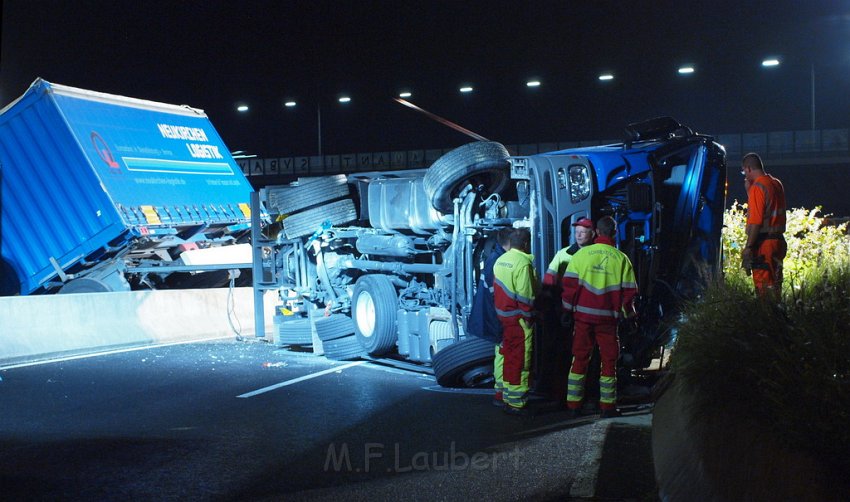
x,y
813,96
319,121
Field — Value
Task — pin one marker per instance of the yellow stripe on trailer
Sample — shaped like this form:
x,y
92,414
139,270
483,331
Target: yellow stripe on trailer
x,y
151,215
246,210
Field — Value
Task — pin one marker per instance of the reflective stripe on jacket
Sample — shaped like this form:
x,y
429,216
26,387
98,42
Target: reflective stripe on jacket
x,y
514,285
599,284
766,205
558,266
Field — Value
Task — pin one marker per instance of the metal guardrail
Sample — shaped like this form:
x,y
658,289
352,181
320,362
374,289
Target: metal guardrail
x,y
807,144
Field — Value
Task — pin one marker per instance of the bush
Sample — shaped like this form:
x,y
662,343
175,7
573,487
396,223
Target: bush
x,y
812,245
784,368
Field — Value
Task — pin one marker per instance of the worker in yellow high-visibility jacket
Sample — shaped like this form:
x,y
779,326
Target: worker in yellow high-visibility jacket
x,y
599,288
514,289
554,341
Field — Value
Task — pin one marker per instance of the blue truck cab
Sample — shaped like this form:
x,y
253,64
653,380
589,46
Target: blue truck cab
x,y
666,187
106,193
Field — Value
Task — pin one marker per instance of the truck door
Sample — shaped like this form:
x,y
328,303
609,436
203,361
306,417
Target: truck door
x,y
690,185
563,185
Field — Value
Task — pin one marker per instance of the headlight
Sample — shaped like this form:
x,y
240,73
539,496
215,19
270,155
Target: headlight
x,y
579,183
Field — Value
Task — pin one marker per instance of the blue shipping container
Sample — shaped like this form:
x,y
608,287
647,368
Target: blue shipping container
x,y
86,176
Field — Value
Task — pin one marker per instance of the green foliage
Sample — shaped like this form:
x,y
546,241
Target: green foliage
x,y
812,246
784,367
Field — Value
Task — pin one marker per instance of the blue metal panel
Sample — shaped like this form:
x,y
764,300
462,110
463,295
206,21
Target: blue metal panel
x,y
80,167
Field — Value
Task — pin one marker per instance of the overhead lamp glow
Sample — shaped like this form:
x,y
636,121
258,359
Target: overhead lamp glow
x,y
289,104
466,89
405,94
242,108
533,83
606,76
344,99
770,62
686,70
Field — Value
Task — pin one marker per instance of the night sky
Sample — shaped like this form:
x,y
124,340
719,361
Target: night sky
x,y
215,54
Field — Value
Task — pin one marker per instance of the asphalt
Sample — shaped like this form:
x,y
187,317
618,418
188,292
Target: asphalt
x,y
592,460
246,421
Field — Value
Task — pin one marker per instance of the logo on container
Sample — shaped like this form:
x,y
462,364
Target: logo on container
x,y
102,150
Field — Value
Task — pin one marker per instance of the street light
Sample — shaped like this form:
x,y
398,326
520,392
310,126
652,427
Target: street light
x,y
290,104
768,63
405,94
242,108
606,77
466,89
533,83
686,70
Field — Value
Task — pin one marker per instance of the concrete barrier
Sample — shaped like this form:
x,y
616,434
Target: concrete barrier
x,y
38,327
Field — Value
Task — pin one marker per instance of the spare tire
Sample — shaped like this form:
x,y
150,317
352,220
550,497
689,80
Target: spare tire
x,y
294,332
307,222
334,327
309,193
346,348
462,364
483,164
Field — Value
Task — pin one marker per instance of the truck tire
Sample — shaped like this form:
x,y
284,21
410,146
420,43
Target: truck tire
x,y
465,363
483,163
310,192
84,285
334,327
373,309
343,349
294,332
307,222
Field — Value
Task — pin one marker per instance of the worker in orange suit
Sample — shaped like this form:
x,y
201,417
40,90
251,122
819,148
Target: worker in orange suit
x,y
765,248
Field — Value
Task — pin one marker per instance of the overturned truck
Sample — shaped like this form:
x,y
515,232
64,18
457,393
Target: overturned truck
x,y
385,264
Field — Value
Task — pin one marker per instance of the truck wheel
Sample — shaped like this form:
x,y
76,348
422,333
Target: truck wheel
x,y
343,349
467,363
84,285
307,222
333,327
294,332
310,192
483,163
373,308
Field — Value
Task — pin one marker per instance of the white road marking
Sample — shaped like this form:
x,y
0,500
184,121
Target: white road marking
x,y
300,379
458,390
108,352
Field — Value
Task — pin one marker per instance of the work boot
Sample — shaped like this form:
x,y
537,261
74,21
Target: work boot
x,y
610,413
